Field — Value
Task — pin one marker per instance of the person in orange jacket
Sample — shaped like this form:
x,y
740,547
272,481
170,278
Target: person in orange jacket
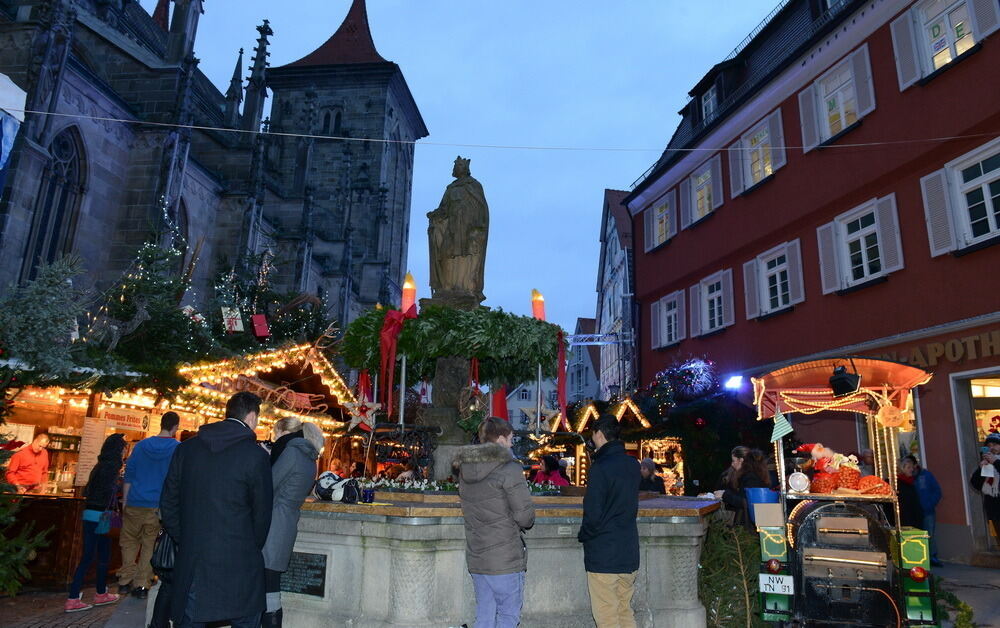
x,y
29,466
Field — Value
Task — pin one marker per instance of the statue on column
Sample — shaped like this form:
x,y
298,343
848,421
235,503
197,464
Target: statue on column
x,y
457,233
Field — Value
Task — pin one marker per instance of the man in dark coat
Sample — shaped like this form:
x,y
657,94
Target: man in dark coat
x,y
609,532
216,504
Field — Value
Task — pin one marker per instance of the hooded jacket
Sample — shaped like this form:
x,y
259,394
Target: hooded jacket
x,y
216,505
292,475
497,507
146,469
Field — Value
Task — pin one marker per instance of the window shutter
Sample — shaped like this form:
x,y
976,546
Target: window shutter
x,y
685,193
904,46
796,287
649,226
717,194
985,17
655,340
671,214
736,169
808,119
728,305
828,269
937,212
888,234
681,315
863,85
777,135
695,310
750,290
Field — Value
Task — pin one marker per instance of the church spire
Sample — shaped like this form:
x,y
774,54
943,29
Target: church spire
x,y
352,43
234,96
253,111
162,14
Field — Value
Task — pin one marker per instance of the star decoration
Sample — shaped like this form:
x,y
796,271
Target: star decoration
x,y
362,413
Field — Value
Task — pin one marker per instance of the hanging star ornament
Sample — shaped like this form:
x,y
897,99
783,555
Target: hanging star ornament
x,y
362,413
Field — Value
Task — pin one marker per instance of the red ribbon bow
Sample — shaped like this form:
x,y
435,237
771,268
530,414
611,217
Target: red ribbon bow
x,y
392,326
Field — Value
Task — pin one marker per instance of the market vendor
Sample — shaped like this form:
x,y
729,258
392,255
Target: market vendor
x,y
29,466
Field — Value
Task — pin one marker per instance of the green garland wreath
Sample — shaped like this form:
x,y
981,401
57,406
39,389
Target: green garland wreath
x,y
509,347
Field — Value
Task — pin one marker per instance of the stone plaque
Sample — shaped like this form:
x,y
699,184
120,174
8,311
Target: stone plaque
x,y
306,574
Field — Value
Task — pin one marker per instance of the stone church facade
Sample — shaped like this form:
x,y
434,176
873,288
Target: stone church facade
x,y
129,140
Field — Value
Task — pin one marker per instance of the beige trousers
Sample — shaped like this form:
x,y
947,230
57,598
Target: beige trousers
x,y
611,599
139,529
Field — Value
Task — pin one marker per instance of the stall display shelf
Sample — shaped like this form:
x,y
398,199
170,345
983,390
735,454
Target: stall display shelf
x,y
841,497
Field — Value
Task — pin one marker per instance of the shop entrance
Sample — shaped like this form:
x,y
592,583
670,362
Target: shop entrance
x,y
977,402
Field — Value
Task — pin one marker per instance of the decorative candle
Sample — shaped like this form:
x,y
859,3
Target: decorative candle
x,y
537,305
409,293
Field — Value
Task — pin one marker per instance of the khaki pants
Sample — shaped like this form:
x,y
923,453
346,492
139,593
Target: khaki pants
x,y
139,529
611,599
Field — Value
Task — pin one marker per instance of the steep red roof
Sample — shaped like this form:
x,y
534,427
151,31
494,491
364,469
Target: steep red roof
x,y
352,43
623,221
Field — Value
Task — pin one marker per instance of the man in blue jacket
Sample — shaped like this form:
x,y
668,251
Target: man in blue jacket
x,y
929,494
609,532
144,474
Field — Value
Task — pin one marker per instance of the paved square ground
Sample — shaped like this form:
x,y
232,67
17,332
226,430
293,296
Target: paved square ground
x,y
45,610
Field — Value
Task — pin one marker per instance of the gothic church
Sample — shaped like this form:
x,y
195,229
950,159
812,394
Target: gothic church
x,y
129,139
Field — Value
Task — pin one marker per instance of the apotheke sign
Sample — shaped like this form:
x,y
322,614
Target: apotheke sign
x,y
960,349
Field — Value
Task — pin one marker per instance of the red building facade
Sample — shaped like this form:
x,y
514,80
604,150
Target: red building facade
x,y
834,189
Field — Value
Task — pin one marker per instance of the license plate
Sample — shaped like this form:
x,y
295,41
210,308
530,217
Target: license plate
x,y
781,585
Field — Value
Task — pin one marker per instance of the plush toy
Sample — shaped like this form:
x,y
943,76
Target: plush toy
x,y
820,457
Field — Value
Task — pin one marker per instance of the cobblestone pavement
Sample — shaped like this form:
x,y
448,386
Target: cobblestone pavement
x,y
45,610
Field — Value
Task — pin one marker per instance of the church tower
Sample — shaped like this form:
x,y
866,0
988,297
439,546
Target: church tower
x,y
352,224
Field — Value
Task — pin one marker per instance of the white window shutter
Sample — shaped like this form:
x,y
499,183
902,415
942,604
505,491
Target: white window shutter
x,y
829,269
750,289
685,194
728,301
671,214
777,135
717,194
796,285
695,295
736,169
649,226
808,118
655,338
985,17
681,315
938,212
904,47
864,88
889,239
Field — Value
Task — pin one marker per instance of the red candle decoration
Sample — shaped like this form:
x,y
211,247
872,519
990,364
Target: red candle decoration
x,y
537,305
409,293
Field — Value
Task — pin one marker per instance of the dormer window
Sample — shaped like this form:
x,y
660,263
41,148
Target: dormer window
x,y
708,104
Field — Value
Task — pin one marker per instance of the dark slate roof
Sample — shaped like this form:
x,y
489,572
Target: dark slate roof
x,y
352,43
788,31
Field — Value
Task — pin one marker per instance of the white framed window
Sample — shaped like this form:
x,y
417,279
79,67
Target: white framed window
x,y
962,200
708,103
660,220
860,245
701,193
525,394
772,281
934,33
758,154
712,303
667,318
837,99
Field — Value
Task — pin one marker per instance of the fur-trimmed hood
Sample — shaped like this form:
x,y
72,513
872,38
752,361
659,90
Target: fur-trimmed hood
x,y
475,462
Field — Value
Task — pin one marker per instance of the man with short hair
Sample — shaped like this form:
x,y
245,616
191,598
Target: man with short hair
x,y
144,475
216,504
497,508
609,532
29,466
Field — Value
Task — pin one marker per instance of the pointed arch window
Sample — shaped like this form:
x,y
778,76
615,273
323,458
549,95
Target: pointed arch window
x,y
336,124
57,203
326,123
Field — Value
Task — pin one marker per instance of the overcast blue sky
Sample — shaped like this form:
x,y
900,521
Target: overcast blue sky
x,y
586,73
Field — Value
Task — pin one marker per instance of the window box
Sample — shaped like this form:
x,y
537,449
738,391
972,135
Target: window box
x,y
701,193
758,154
660,221
860,245
962,201
712,303
837,100
772,281
667,325
936,33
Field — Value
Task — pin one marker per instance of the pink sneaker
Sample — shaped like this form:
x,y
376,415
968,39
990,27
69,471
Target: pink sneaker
x,y
74,605
105,598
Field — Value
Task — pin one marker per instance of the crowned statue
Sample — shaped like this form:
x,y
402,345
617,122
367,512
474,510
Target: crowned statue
x,y
457,232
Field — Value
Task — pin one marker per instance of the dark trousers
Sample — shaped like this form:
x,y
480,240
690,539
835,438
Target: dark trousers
x,y
92,542
272,589
161,607
249,621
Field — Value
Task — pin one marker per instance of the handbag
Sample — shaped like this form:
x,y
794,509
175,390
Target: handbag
x,y
164,552
111,517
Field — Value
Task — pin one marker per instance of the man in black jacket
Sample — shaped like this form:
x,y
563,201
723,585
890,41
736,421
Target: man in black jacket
x,y
609,532
216,504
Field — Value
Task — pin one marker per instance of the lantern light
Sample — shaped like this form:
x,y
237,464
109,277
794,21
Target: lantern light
x,y
537,305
